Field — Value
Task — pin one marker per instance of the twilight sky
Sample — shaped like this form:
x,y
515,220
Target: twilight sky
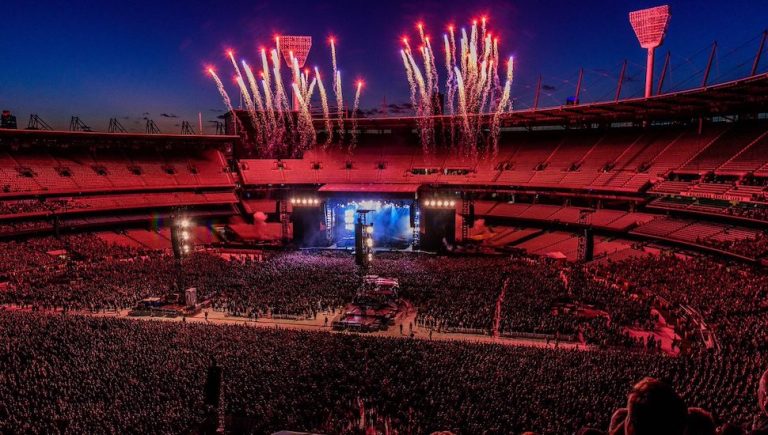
x,y
131,59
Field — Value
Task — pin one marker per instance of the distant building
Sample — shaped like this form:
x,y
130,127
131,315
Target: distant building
x,y
7,120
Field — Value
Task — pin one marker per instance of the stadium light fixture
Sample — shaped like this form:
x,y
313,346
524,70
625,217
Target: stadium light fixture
x,y
650,26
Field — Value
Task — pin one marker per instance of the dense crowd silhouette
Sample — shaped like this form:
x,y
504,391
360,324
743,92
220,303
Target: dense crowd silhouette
x,y
63,372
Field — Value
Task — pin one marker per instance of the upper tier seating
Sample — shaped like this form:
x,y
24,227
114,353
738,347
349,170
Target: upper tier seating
x,y
601,218
724,147
621,160
76,171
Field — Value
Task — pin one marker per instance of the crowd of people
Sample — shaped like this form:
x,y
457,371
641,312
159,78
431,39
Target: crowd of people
x,y
729,298
488,295
747,247
757,212
79,374
23,207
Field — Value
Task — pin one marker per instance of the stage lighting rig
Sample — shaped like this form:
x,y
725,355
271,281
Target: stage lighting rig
x,y
439,203
363,239
305,202
181,237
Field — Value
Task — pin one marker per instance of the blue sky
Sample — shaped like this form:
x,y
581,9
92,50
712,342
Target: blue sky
x,y
102,59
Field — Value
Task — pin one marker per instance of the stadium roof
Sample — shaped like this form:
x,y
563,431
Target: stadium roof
x,y
738,96
34,137
371,188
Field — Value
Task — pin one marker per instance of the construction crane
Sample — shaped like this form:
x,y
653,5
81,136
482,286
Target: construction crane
x,y
37,123
115,126
152,127
77,124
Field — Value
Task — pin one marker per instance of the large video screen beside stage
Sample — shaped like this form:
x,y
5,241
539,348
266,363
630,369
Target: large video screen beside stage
x,y
391,221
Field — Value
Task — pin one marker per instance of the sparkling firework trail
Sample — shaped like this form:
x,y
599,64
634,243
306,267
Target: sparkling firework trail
x,y
333,55
355,107
231,55
449,70
222,91
339,103
433,90
310,90
502,107
337,90
324,104
281,101
254,87
267,86
248,102
357,98
462,106
427,70
239,79
305,128
409,75
262,123
476,61
268,105
496,82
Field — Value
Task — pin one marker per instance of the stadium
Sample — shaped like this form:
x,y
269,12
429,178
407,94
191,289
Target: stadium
x,y
467,266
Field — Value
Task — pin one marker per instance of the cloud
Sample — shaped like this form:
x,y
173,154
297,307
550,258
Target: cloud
x,y
168,115
548,88
215,110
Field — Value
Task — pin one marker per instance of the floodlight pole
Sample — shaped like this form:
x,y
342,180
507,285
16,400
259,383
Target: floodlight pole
x,y
650,26
538,91
649,72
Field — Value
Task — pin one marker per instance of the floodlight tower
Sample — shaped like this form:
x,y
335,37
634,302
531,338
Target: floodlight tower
x,y
650,25
297,47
